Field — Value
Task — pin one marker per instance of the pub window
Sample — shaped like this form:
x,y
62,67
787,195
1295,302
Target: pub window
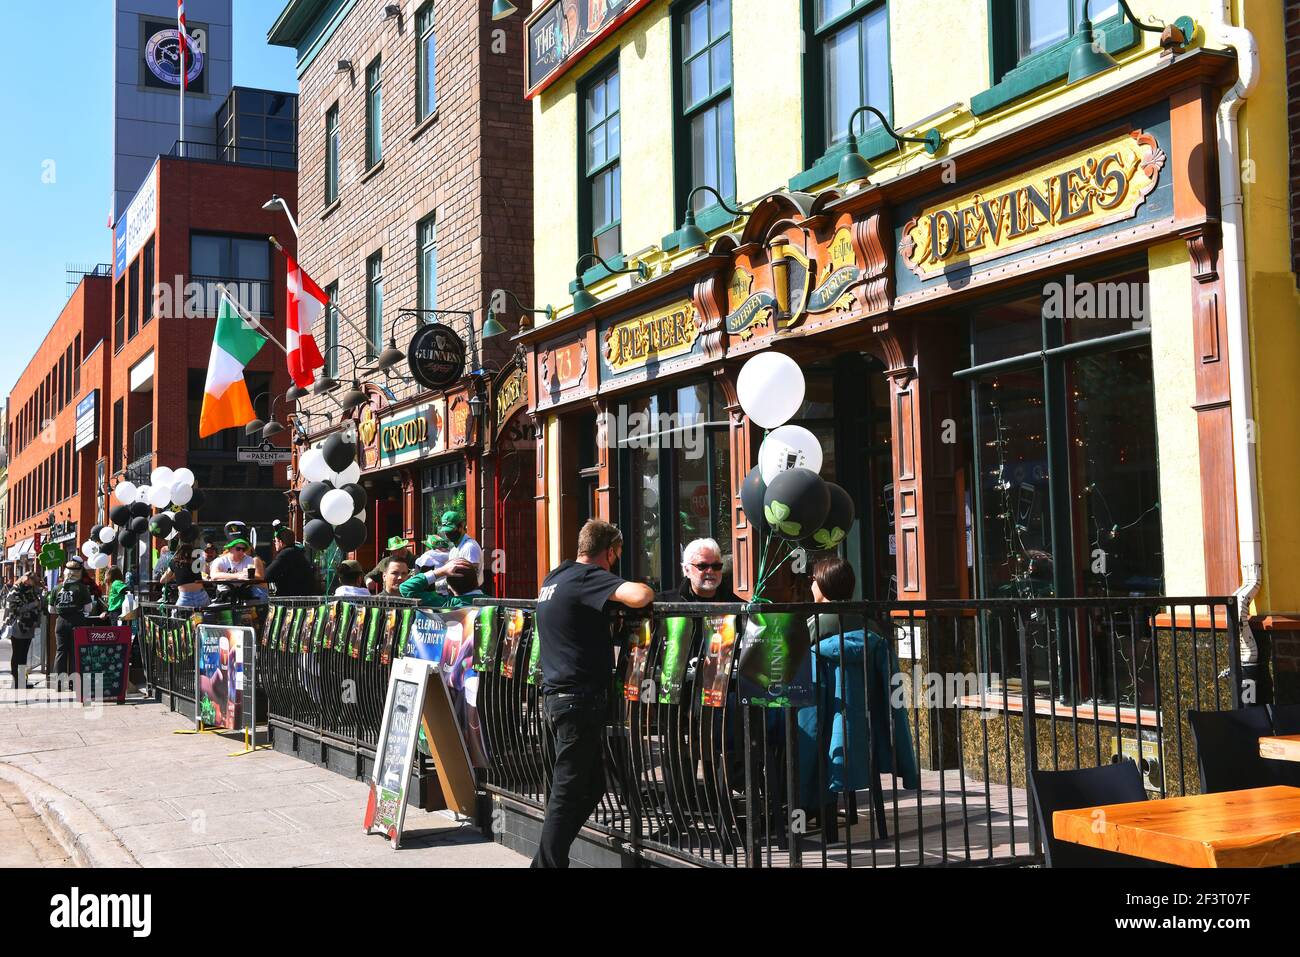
x,y
374,113
332,330
1068,498
704,97
848,67
332,155
1023,29
148,283
442,487
374,302
426,95
427,272
601,196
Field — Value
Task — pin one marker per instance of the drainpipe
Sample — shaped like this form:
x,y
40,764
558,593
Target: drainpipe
x,y
1234,289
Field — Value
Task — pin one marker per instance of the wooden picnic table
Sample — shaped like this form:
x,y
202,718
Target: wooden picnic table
x,y
1284,747
1259,827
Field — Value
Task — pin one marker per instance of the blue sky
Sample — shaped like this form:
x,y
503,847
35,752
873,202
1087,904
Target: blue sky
x,y
56,98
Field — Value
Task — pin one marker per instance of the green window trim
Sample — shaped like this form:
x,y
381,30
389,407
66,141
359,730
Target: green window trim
x,y
600,74
710,219
1048,66
598,272
875,144
685,113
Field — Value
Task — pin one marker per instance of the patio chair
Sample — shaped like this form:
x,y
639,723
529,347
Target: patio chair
x,y
1119,783
1286,718
1227,749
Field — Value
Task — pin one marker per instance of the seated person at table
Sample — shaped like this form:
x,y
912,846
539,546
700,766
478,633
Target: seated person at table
x,y
351,576
702,578
461,578
238,565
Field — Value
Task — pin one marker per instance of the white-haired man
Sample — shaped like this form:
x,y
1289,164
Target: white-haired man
x,y
702,578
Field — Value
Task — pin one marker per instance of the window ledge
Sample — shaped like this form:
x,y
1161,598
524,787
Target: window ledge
x,y
876,143
329,210
710,219
992,701
423,125
1053,64
372,172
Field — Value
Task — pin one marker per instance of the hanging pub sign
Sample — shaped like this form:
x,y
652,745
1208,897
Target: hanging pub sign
x,y
368,433
1105,184
560,31
413,434
436,356
664,334
509,395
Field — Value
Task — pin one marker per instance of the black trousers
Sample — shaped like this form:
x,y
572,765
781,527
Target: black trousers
x,y
576,723
19,657
63,653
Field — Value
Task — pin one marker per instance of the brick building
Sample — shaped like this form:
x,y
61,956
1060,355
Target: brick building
x,y
416,195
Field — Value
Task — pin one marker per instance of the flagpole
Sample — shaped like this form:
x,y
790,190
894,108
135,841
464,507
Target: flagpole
x,y
182,50
376,346
249,318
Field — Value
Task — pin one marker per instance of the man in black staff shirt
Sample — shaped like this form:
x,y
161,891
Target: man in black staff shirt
x,y
577,659
291,571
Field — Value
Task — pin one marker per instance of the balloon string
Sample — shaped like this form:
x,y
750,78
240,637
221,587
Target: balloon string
x,y
776,568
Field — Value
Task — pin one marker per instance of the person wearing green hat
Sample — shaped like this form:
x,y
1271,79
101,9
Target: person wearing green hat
x,y
464,550
396,549
238,564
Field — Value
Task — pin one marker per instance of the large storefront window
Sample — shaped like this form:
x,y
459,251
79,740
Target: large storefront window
x,y
443,489
673,461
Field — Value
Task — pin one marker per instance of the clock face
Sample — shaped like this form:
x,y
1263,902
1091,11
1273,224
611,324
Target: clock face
x,y
162,56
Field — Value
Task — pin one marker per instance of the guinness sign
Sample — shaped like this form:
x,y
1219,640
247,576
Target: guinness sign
x,y
436,356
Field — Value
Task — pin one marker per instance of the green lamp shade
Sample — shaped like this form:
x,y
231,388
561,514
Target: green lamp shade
x,y
1088,58
583,300
854,166
492,328
502,9
690,235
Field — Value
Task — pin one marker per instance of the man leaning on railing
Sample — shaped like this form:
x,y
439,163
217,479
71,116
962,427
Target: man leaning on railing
x,y
577,656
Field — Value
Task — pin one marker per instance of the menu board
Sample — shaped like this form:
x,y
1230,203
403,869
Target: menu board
x,y
102,660
391,779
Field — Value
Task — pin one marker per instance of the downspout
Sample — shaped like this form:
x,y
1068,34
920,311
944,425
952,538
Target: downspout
x,y
1245,472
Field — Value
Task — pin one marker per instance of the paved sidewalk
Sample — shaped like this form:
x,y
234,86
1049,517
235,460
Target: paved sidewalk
x,y
25,840
181,800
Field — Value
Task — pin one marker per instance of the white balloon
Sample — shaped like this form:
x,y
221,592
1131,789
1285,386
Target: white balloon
x,y
125,492
172,534
107,534
360,515
336,507
181,494
160,496
348,476
99,562
789,447
183,477
90,549
770,388
163,476
143,493
312,466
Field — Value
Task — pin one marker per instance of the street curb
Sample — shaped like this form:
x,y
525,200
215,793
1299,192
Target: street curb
x,y
86,838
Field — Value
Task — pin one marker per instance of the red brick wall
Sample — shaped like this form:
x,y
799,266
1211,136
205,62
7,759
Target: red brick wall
x,y
1293,98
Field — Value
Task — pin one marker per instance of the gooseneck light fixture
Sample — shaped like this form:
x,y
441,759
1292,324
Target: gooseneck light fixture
x,y
690,235
854,166
492,327
584,300
327,383
272,427
256,425
1090,57
502,9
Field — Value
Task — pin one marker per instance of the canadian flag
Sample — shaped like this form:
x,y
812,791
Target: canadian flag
x,y
306,303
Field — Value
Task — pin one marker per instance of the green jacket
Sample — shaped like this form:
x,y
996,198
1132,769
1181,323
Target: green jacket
x,y
418,587
116,593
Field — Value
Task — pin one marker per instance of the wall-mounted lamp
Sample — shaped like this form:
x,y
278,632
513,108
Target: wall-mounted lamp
x,y
502,9
1090,57
584,300
492,327
256,425
855,167
343,66
393,11
690,235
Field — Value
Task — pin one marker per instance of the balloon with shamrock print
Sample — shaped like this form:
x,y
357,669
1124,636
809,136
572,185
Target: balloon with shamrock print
x,y
795,503
837,523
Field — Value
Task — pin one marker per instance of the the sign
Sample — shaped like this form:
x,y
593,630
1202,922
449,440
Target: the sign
x,y
1107,183
391,777
663,334
162,56
101,659
219,676
264,454
560,31
412,435
137,225
436,356
86,419
791,273
561,369
509,395
368,434
458,416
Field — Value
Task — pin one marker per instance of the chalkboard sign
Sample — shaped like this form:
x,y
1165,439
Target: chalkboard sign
x,y
102,658
391,778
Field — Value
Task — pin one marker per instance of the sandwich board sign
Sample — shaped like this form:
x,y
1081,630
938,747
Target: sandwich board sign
x,y
390,780
102,659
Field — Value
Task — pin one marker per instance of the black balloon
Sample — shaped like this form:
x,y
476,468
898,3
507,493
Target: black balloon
x,y
751,497
837,522
161,526
358,497
120,515
182,520
319,534
339,453
140,509
351,535
127,539
196,500
96,529
108,548
189,535
796,503
139,525
309,498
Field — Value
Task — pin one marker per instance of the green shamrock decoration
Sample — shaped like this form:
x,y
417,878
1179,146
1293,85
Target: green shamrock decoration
x,y
828,537
776,515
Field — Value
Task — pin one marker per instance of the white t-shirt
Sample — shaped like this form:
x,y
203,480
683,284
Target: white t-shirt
x,y
351,591
224,564
469,550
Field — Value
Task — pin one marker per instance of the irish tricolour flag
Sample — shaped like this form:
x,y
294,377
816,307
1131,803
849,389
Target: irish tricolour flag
x,y
226,404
